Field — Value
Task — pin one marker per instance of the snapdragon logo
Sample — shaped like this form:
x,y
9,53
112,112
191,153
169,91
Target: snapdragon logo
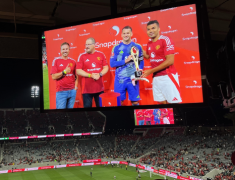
x,y
130,17
190,38
114,30
191,9
85,33
146,22
72,47
195,85
168,9
170,30
193,61
153,55
58,38
156,60
111,44
98,24
93,64
71,29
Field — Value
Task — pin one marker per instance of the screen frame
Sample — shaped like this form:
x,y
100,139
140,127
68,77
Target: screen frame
x,y
202,37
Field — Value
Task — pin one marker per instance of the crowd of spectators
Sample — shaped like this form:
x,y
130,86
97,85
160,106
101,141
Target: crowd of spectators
x,y
32,122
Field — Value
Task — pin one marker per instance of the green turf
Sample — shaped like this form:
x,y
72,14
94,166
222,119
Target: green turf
x,y
80,173
46,89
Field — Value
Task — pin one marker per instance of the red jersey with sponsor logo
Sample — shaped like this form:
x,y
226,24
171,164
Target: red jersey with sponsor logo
x,y
157,52
92,63
148,114
139,115
66,82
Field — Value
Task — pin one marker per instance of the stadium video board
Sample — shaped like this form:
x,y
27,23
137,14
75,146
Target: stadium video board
x,y
154,116
144,59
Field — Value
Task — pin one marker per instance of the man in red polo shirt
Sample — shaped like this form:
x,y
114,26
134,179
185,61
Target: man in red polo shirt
x,y
91,65
139,117
160,51
148,113
63,71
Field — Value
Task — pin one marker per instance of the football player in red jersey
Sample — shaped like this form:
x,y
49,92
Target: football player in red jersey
x,y
164,116
160,51
63,71
91,65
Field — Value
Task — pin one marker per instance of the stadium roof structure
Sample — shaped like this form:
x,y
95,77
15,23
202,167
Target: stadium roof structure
x,y
51,12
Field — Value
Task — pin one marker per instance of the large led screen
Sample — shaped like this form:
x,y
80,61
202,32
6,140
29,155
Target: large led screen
x,y
144,59
154,116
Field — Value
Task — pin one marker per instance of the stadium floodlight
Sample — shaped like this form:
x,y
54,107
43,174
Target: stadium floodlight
x,y
34,91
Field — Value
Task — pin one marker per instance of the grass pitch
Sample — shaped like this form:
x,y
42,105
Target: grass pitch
x,y
46,99
81,173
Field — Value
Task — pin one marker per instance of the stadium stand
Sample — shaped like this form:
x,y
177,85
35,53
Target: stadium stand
x,y
170,148
28,122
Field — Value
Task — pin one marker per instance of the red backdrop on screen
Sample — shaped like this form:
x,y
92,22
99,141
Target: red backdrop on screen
x,y
180,24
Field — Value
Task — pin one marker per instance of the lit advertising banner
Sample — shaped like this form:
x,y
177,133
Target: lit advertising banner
x,y
60,166
178,38
123,162
31,169
73,165
5,171
114,162
49,136
133,165
160,116
18,170
87,164
155,171
183,178
91,160
171,174
141,167
46,167
161,171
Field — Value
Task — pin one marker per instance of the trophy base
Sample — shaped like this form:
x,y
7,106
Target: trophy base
x,y
138,74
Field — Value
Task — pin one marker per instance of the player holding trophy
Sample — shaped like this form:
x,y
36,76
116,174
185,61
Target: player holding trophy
x,y
127,57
